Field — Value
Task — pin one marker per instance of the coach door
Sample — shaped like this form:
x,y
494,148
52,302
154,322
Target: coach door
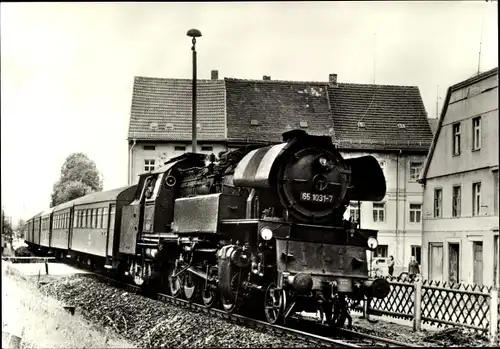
x,y
111,229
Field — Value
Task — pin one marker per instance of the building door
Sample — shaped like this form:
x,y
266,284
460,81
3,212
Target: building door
x,y
453,262
436,261
477,248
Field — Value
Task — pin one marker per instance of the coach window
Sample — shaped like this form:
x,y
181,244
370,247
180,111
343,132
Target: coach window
x,y
105,218
94,218
99,217
75,220
112,217
87,214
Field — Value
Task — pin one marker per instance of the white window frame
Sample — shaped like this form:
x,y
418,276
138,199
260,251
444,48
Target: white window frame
x,y
149,165
438,203
378,207
456,139
353,206
417,212
414,172
476,133
458,203
476,198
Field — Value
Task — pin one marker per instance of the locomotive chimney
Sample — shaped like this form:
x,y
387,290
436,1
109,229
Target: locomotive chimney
x,y
332,80
265,77
215,74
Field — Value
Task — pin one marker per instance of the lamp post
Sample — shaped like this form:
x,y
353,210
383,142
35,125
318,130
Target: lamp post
x,y
194,33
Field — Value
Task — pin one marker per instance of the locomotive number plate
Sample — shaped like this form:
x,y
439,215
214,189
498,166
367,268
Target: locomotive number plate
x,y
327,198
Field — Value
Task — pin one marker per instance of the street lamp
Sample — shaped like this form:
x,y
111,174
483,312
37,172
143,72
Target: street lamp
x,y
194,33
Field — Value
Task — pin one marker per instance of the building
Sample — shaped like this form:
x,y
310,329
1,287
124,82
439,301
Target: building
x,y
388,122
460,178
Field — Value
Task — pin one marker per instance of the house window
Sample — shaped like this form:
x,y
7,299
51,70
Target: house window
x,y
416,251
149,165
180,148
456,201
415,213
438,202
149,147
456,139
207,148
476,133
415,168
381,251
354,212
378,212
476,199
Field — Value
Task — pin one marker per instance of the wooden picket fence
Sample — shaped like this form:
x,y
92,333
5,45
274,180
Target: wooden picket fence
x,y
442,304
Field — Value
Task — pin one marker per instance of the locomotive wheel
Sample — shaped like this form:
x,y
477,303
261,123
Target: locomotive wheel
x,y
274,304
208,296
175,284
230,303
190,287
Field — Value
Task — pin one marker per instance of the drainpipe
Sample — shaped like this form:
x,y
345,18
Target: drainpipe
x,y
397,202
130,163
404,208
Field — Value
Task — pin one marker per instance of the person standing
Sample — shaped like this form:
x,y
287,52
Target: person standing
x,y
391,266
413,268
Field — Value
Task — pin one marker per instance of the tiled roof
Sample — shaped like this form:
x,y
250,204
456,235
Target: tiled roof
x,y
261,110
379,117
161,109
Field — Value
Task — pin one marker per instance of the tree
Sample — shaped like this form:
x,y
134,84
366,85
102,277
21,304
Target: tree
x,y
6,228
20,228
79,177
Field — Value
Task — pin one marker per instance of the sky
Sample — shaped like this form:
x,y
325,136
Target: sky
x,y
67,69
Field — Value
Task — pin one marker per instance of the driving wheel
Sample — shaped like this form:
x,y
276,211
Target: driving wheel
x,y
274,304
175,284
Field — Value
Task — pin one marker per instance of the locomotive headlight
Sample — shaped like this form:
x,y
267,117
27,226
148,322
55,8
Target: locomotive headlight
x,y
266,233
372,243
323,161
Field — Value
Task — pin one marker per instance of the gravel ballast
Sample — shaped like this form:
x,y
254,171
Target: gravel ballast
x,y
150,323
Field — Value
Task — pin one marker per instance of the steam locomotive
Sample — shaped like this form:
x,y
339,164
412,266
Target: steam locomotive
x,y
258,225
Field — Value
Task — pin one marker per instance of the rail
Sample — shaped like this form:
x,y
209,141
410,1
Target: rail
x,y
343,338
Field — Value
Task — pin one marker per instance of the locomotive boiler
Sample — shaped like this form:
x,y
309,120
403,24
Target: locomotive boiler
x,y
256,226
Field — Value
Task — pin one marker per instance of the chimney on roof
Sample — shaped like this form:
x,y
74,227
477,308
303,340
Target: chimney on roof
x,y
332,80
265,77
215,74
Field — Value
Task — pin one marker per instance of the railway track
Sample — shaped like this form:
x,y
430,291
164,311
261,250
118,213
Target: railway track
x,y
315,333
338,337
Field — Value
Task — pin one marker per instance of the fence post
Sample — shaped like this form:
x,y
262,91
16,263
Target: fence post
x,y
417,305
493,314
46,267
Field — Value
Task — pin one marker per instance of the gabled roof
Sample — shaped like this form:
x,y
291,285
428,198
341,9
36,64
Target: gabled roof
x,y
379,117
262,110
451,89
161,109
239,110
